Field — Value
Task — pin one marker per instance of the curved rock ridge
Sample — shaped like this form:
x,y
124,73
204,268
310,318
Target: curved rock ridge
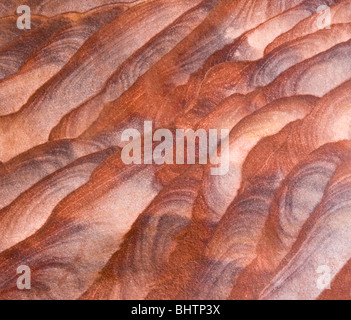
x,y
100,199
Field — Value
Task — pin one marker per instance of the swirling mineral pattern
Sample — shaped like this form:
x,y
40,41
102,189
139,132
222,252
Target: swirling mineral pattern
x,y
260,210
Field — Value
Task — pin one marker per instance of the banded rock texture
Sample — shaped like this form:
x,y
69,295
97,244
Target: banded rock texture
x,y
276,74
